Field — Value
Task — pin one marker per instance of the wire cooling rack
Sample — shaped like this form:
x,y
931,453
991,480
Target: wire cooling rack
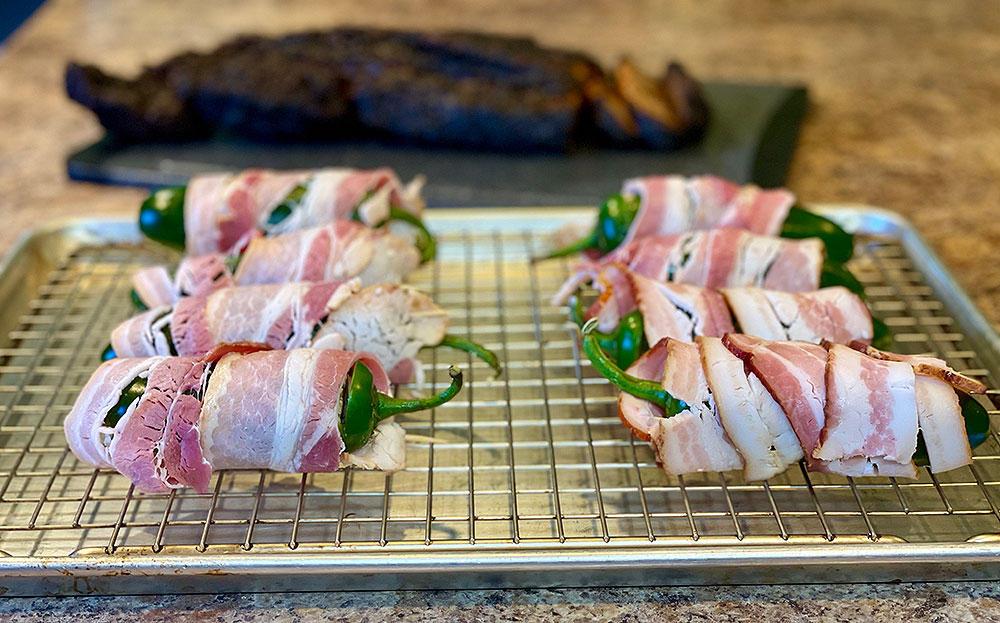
x,y
535,459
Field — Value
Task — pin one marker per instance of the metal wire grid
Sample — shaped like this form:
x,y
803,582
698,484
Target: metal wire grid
x,y
536,457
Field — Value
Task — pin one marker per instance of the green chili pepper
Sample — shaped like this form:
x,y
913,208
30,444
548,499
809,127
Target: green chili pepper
x,y
617,213
977,427
136,300
836,274
161,217
613,220
640,388
130,394
425,242
477,349
625,343
882,335
801,223
284,209
365,406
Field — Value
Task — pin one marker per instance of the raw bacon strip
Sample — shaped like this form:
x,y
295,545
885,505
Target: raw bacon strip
x,y
926,366
833,313
641,416
335,252
267,409
617,297
136,449
679,311
942,425
793,372
871,409
281,316
223,211
693,440
392,322
715,258
751,418
154,286
795,375
671,204
84,425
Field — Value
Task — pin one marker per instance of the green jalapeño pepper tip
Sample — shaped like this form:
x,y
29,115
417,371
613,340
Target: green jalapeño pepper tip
x,y
623,345
835,274
108,353
161,217
130,394
137,301
425,239
366,406
475,348
640,388
882,338
801,223
613,222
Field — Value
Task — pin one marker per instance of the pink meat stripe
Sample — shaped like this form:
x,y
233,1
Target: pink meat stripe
x,y
334,252
871,408
716,258
265,410
671,204
223,211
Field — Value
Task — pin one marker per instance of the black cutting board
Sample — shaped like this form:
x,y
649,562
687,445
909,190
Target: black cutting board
x,y
750,138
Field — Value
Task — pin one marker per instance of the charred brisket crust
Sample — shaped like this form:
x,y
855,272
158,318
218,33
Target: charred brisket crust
x,y
471,112
143,109
255,91
453,88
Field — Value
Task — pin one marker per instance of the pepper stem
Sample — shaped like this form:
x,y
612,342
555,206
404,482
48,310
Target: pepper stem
x,y
389,406
581,245
428,247
477,349
640,388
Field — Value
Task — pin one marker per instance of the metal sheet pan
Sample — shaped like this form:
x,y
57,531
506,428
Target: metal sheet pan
x,y
523,480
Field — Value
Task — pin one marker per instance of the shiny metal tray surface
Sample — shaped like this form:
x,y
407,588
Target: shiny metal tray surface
x,y
524,480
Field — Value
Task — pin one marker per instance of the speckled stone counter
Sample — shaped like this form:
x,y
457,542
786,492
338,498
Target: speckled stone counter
x,y
903,116
912,603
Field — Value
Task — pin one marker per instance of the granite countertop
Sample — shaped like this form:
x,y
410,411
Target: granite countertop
x,y
903,116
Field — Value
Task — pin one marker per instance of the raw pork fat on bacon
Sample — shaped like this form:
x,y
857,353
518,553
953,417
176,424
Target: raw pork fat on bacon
x,y
334,252
392,322
672,204
693,440
264,410
716,258
774,402
834,313
684,312
224,211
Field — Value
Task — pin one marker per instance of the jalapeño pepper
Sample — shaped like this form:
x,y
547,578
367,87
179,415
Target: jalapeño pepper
x,y
617,213
161,218
625,343
132,392
613,220
365,406
801,223
640,388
